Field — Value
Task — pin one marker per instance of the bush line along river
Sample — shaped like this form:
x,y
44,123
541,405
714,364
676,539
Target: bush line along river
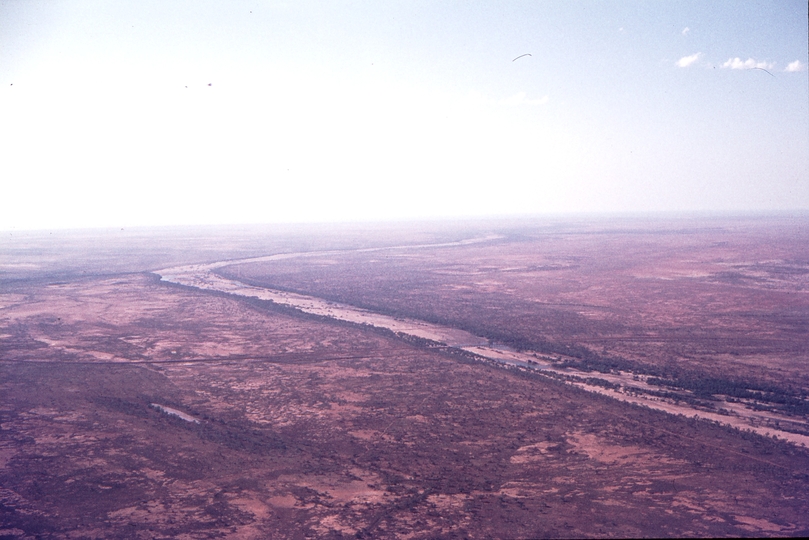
x,y
617,385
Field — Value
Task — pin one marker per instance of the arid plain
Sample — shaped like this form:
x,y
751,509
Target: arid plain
x,y
137,408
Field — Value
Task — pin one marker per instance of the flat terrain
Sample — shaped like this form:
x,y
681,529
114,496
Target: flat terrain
x,y
295,426
713,297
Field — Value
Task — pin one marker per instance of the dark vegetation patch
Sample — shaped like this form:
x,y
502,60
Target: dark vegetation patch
x,y
233,433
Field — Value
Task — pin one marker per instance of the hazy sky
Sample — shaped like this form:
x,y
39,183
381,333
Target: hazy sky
x,y
116,113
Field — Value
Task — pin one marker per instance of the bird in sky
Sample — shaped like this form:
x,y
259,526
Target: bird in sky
x,y
526,54
764,70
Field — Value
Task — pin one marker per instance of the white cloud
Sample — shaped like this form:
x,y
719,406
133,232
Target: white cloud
x,y
686,61
520,98
737,63
686,30
795,66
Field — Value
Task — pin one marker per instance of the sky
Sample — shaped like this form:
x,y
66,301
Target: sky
x,y
173,112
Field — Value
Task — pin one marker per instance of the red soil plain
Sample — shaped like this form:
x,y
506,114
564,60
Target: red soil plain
x,y
296,426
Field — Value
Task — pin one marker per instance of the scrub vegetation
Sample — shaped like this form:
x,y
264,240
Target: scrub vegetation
x,y
293,425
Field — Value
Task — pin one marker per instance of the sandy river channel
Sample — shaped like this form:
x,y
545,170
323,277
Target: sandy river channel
x,y
203,277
